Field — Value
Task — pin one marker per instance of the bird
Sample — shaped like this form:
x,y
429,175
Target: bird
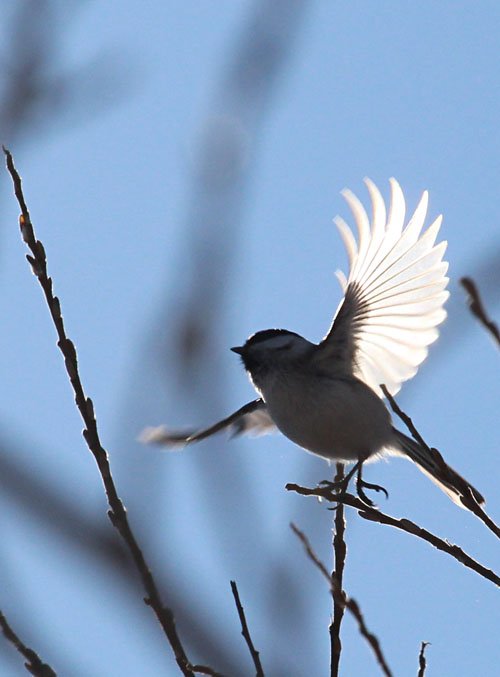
x,y
327,397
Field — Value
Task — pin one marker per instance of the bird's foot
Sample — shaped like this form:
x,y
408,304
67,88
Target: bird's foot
x,y
339,487
361,485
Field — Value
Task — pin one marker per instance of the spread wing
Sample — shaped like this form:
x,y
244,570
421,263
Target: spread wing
x,y
394,294
252,419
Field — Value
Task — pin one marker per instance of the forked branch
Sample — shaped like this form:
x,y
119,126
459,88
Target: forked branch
x,y
375,515
422,663
345,602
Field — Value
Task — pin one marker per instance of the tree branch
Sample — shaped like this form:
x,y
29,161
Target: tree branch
x,y
339,555
467,498
34,665
259,672
345,602
477,308
117,513
373,515
422,663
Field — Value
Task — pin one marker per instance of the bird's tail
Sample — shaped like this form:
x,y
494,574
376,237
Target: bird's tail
x,y
433,465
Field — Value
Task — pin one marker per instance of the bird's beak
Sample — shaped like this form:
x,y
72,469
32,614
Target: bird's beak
x,y
238,350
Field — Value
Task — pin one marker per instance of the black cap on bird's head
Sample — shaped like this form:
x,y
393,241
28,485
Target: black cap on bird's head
x,y
260,337
258,362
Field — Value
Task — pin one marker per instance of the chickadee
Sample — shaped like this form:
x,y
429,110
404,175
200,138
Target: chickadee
x,y
326,397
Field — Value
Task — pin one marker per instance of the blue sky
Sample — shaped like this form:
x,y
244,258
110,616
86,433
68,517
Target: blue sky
x,y
382,89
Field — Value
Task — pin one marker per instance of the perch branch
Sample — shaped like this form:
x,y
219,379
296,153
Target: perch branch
x,y
375,515
339,555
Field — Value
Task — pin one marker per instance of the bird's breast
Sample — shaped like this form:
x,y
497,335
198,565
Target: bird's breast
x,y
339,418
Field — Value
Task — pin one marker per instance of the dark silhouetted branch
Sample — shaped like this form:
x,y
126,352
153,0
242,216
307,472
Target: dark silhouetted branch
x,y
477,308
375,515
259,672
345,602
205,670
339,555
117,512
34,665
422,663
467,497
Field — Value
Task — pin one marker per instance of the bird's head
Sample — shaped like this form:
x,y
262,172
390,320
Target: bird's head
x,y
270,351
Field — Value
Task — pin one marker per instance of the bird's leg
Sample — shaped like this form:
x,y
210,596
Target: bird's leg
x,y
341,486
361,485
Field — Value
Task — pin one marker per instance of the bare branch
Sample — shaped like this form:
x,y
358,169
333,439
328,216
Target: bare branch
x,y
477,308
339,555
467,497
35,665
345,602
422,663
259,672
205,670
375,515
117,512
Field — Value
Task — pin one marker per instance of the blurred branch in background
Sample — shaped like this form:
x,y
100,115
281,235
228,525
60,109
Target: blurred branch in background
x,y
35,93
180,365
221,180
46,503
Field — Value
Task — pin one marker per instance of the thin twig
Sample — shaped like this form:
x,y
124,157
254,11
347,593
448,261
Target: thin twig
x,y
466,496
422,663
205,670
344,601
259,672
375,515
477,308
34,665
339,555
117,513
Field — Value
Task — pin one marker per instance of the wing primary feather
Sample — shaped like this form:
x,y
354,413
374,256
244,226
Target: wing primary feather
x,y
252,417
394,292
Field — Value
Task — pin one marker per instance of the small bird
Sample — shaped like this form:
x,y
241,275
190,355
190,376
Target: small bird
x,y
327,397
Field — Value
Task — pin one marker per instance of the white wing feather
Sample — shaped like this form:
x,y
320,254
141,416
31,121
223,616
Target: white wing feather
x,y
394,293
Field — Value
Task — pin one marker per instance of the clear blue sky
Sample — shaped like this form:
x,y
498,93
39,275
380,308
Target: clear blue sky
x,y
378,89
